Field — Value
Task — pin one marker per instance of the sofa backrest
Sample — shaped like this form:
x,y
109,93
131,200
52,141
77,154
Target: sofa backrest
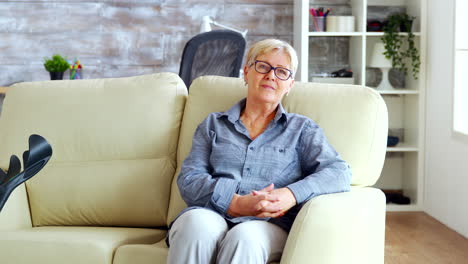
x,y
114,147
353,117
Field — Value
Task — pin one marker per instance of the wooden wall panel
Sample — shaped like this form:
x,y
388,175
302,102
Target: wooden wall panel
x,y
114,38
44,17
264,20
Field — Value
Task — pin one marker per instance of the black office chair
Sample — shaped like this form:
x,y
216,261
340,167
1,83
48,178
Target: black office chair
x,y
217,52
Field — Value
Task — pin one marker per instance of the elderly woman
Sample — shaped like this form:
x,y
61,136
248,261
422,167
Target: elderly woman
x,y
251,169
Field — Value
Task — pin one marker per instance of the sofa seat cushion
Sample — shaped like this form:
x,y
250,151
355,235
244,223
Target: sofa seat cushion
x,y
58,245
142,254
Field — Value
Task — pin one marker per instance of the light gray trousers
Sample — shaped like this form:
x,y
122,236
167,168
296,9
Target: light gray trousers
x,y
203,236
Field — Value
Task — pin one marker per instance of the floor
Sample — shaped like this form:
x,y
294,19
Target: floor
x,y
416,237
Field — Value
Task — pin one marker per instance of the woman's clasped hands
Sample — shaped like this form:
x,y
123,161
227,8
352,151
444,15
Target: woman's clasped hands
x,y
267,202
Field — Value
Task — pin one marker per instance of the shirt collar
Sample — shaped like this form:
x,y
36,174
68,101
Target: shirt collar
x,y
233,114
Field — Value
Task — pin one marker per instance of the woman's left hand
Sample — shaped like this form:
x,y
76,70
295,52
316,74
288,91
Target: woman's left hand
x,y
286,201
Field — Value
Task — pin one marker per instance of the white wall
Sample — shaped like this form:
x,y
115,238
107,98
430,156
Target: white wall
x,y
446,164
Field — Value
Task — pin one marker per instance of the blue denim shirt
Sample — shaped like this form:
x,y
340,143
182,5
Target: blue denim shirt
x,y
292,152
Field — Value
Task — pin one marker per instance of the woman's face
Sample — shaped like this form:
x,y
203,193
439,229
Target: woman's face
x,y
267,87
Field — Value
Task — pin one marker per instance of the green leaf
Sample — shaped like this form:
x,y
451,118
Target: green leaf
x,y
56,64
395,42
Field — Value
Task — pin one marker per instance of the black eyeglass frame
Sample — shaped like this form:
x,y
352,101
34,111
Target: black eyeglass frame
x,y
272,68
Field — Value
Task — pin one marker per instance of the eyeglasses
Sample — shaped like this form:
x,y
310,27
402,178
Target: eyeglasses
x,y
280,72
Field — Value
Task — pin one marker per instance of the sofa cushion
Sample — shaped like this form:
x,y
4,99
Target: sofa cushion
x,y
115,192
114,147
142,254
71,245
347,113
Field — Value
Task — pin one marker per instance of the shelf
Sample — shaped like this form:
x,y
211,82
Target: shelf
x,y
397,91
354,34
402,147
404,163
334,34
380,34
402,207
386,2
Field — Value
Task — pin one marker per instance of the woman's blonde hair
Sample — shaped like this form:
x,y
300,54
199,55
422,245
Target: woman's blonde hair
x,y
267,45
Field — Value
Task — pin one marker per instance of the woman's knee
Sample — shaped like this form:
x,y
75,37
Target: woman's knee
x,y
199,224
248,234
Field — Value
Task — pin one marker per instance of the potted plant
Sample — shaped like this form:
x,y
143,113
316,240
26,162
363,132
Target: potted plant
x,y
395,47
56,66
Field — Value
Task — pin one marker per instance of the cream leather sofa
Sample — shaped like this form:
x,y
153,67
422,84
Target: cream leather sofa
x,y
109,193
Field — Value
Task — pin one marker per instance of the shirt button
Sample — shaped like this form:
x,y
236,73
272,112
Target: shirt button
x,y
281,150
248,169
251,148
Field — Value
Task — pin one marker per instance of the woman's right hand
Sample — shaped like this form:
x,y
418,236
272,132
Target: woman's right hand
x,y
262,204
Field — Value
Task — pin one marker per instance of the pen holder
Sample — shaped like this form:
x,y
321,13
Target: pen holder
x,y
317,24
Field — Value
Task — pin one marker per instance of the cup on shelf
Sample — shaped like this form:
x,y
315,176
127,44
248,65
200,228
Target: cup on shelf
x,y
340,23
317,24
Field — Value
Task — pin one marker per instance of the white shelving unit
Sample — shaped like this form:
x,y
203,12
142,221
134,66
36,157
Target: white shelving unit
x,y
404,163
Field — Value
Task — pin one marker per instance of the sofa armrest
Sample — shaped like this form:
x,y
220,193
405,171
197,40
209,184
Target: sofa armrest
x,y
339,228
15,214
